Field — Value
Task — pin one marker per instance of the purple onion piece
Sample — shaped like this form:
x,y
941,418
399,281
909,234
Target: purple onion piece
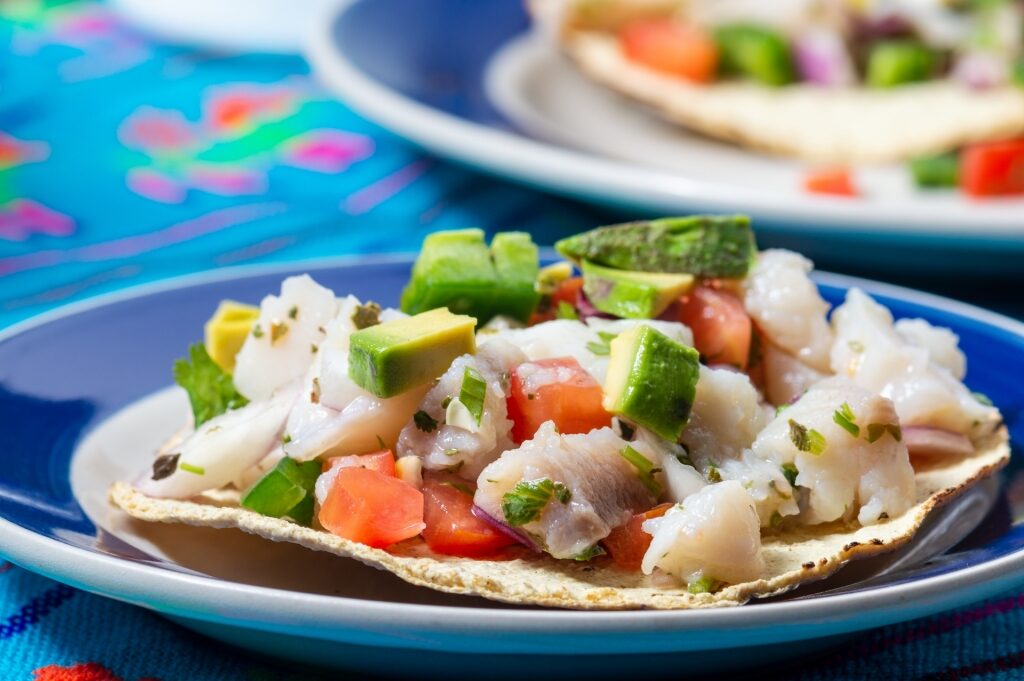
x,y
981,71
822,59
520,537
936,442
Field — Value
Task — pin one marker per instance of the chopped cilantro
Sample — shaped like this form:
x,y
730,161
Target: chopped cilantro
x,y
451,451
366,315
877,430
704,585
713,474
562,493
645,469
313,348
781,408
446,401
424,421
806,439
589,554
189,468
293,312
473,393
164,466
790,471
210,389
257,331
602,347
856,346
565,311
286,438
846,419
983,398
775,520
526,501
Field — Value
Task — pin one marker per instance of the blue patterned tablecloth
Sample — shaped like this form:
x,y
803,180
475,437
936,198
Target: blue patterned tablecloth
x,y
122,162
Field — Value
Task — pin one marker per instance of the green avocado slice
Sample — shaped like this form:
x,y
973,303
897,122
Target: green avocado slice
x,y
651,381
701,245
632,295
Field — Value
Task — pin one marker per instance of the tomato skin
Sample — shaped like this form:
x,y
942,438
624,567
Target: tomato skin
x,y
627,543
993,169
574,405
669,47
372,508
568,292
721,326
452,529
831,181
382,462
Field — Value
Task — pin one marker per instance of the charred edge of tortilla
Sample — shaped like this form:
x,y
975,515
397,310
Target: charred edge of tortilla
x,y
544,581
678,103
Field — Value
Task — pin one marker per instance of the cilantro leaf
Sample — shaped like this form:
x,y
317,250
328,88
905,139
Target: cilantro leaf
x,y
424,421
589,554
473,393
603,346
846,419
645,469
210,390
526,501
790,471
806,439
877,430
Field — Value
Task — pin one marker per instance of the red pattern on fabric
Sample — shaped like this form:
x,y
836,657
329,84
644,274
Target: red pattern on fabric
x,y
91,671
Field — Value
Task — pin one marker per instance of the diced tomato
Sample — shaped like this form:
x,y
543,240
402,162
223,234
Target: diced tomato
x,y
573,403
721,327
831,181
671,47
993,169
452,528
568,292
382,462
370,507
627,543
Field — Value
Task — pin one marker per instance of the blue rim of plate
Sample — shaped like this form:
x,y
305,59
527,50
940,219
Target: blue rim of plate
x,y
394,84
65,550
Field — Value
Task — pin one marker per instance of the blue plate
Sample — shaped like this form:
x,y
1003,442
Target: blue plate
x,y
67,376
464,79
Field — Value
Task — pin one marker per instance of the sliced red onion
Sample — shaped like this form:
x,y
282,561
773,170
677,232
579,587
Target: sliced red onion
x,y
509,532
822,59
981,70
935,442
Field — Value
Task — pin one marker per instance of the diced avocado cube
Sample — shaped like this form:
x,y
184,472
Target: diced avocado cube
x,y
632,295
285,490
936,171
651,381
756,52
457,270
897,62
701,245
391,358
226,330
516,264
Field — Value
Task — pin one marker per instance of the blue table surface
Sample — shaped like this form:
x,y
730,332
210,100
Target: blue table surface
x,y
123,161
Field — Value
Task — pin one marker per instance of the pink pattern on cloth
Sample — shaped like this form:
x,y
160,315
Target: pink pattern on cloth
x,y
326,151
21,218
226,180
155,185
158,131
15,152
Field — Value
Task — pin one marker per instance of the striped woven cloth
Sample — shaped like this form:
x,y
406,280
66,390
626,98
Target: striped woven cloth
x,y
123,162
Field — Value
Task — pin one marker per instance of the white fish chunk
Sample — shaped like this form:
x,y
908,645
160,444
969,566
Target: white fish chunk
x,y
915,375
714,533
604,488
785,377
465,447
277,349
787,307
333,416
223,448
846,475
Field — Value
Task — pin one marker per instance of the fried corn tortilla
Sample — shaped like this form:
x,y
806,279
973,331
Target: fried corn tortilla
x,y
793,555
848,125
